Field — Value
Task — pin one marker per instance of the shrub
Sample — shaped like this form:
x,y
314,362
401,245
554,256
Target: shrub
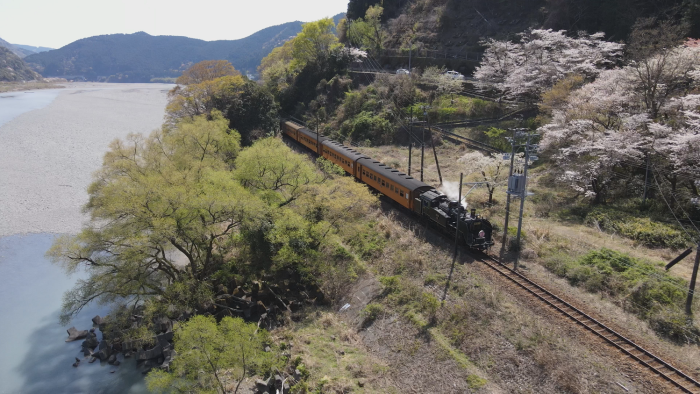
x,y
429,304
674,324
643,229
371,312
639,286
367,242
391,283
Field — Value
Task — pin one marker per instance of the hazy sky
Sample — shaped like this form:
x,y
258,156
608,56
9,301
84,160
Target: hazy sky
x,y
55,23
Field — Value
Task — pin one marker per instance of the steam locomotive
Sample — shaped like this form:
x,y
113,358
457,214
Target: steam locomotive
x,y
420,198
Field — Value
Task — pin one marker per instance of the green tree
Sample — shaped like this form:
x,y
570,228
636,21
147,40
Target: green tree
x,y
367,33
207,70
205,351
199,98
272,170
162,209
315,43
250,109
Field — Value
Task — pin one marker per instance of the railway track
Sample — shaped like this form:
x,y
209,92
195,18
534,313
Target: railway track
x,y
661,368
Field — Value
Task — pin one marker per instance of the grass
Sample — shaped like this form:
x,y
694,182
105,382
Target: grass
x,y
638,286
22,86
330,355
550,236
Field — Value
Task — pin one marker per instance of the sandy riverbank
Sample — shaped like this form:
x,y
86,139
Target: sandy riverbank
x,y
47,155
27,86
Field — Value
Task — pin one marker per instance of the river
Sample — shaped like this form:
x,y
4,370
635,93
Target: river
x,y
50,143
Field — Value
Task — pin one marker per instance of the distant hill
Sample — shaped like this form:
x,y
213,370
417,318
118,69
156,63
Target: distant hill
x,y
33,49
21,52
14,69
140,57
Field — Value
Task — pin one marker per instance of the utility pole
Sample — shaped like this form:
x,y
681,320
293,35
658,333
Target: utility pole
x,y
522,201
454,256
693,278
432,143
505,225
517,185
422,140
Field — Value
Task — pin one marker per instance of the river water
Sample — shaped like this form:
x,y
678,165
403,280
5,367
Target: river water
x,y
50,143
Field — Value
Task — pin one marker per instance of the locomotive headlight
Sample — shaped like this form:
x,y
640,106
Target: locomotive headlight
x,y
482,234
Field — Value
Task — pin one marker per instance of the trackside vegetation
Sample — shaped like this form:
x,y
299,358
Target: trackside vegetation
x,y
638,286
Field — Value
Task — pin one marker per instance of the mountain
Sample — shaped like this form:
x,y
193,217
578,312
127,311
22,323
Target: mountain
x,y
33,49
140,57
21,52
14,69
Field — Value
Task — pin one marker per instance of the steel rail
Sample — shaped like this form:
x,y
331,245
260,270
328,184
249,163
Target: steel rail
x,y
663,369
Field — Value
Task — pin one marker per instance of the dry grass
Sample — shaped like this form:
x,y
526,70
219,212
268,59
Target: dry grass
x,y
542,231
333,354
22,86
482,334
484,338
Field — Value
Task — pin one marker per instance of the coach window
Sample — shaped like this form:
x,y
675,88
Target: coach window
x,y
392,188
383,185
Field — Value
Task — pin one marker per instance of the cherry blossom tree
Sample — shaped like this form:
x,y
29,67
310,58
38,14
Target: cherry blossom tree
x,y
608,126
490,169
524,70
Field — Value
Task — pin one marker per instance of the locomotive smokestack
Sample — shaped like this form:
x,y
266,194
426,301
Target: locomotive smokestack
x,y
473,213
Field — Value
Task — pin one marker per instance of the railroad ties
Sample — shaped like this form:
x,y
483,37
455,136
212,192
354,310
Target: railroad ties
x,y
661,368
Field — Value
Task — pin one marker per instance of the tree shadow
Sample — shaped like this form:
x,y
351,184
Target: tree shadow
x,y
47,365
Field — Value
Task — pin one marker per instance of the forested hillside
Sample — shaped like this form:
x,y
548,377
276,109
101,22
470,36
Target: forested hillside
x,y
13,69
140,57
455,28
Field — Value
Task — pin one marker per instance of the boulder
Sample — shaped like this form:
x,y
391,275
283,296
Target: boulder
x,y
97,320
92,360
91,341
112,359
164,325
262,385
165,338
149,354
104,351
75,334
528,254
116,363
103,354
278,382
168,355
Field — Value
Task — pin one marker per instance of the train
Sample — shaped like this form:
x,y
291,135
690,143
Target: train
x,y
417,197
